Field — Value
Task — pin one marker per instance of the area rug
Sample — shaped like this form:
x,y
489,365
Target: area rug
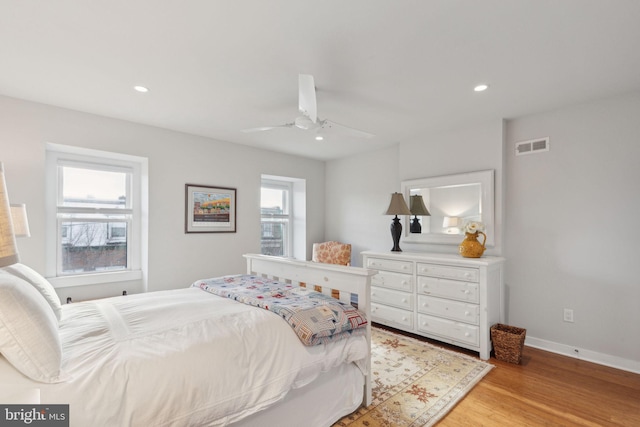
x,y
414,383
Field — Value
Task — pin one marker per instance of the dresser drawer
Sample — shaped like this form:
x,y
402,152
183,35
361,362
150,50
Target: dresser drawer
x,y
463,291
391,316
449,329
387,279
391,297
456,310
390,265
448,272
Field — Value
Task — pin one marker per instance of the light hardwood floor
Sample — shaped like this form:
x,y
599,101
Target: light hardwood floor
x,y
548,389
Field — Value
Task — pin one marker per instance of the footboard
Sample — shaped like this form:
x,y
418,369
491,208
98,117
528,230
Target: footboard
x,y
346,280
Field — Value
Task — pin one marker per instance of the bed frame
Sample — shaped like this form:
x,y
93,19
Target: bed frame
x,y
346,280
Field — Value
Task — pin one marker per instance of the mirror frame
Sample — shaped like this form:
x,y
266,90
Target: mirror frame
x,y
484,178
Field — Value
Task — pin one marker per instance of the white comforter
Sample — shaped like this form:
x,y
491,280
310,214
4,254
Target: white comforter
x,y
179,358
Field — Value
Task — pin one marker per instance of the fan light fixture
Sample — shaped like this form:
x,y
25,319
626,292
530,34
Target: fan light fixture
x,y
141,89
309,120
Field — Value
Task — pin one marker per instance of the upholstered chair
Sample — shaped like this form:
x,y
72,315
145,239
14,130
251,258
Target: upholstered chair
x,y
332,253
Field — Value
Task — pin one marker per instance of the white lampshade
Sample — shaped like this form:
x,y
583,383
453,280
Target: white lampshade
x,y
8,248
450,221
20,222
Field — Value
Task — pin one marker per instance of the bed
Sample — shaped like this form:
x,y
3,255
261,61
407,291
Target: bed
x,y
183,357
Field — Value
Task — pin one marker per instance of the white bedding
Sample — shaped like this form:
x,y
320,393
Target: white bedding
x,y
128,365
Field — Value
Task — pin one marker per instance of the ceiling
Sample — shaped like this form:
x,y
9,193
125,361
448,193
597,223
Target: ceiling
x,y
398,69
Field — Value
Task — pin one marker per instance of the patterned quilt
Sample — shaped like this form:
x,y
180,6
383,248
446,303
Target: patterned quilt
x,y
316,318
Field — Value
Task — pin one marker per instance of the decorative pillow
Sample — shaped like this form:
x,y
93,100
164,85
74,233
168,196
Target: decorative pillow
x,y
29,337
40,283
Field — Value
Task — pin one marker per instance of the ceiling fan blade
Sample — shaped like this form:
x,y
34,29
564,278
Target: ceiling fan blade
x,y
307,97
263,128
328,124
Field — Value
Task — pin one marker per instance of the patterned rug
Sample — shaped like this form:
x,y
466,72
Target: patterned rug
x,y
415,383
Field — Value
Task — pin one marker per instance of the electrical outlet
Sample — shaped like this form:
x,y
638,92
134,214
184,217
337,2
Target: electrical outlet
x,y
568,315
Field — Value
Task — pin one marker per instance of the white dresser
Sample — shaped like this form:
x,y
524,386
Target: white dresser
x,y
441,296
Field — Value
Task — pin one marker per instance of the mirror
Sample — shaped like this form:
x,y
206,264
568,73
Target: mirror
x,y
452,201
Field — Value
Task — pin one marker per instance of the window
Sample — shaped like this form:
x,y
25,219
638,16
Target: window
x,y
276,211
94,219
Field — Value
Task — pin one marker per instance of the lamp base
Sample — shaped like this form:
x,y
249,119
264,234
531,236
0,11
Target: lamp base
x,y
396,232
416,227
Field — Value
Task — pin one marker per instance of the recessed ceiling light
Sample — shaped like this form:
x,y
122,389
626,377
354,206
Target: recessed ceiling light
x,y
319,138
141,89
481,87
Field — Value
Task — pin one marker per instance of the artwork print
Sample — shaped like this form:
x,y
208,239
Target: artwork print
x,y
210,209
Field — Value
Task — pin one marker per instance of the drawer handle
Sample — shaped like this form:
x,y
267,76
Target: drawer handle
x,y
467,274
466,313
467,334
404,319
404,300
373,294
466,291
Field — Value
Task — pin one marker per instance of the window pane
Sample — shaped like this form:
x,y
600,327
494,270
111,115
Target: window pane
x,y
274,238
274,201
91,188
93,246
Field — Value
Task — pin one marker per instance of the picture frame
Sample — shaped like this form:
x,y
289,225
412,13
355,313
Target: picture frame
x,y
209,209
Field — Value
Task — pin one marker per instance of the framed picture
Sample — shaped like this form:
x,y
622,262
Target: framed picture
x,y
210,209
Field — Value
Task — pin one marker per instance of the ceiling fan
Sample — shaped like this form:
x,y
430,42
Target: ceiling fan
x,y
309,119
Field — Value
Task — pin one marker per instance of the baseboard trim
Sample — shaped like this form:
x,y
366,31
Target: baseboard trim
x,y
584,354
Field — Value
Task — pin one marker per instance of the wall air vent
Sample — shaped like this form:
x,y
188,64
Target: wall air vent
x,y
532,146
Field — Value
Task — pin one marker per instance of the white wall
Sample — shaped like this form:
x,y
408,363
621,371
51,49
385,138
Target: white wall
x,y
359,187
568,218
175,259
571,230
358,191
467,149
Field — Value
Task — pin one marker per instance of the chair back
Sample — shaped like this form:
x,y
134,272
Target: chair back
x,y
332,253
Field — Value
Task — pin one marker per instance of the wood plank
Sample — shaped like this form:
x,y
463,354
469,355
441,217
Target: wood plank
x,y
550,389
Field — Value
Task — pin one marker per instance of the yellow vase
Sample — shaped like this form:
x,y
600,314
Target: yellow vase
x,y
470,247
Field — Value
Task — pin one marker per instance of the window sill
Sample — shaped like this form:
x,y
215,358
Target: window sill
x,y
95,278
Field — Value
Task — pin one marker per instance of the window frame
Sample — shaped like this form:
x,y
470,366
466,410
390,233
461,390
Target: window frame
x,y
288,206
136,168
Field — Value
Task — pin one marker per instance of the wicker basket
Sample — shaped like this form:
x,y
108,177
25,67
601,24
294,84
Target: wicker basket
x,y
508,342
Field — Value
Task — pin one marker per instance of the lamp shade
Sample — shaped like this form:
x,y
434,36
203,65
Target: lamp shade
x,y
20,222
418,207
398,206
450,221
8,249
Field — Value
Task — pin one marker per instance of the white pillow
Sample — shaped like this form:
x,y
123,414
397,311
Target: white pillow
x,y
29,337
40,283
